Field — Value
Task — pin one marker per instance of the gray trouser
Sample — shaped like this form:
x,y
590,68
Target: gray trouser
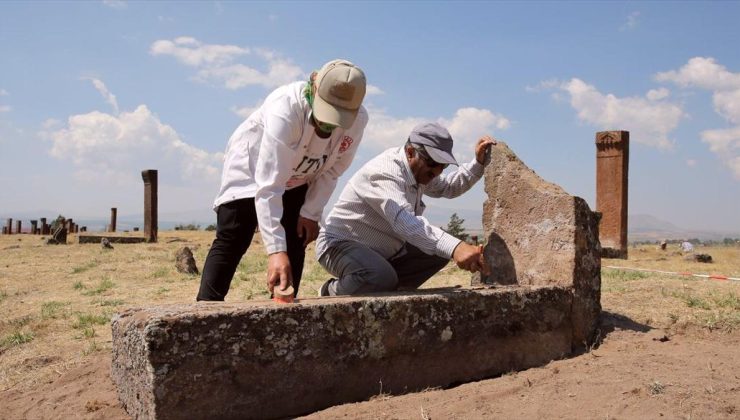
x,y
358,269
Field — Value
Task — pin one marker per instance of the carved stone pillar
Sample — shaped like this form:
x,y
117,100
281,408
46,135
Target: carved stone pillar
x,y
113,214
150,204
612,164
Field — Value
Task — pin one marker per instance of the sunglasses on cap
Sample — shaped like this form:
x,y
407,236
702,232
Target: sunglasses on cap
x,y
325,127
431,163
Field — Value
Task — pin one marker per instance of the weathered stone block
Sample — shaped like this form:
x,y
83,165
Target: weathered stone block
x,y
266,360
96,239
538,234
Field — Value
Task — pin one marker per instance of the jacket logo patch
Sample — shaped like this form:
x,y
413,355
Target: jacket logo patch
x,y
346,143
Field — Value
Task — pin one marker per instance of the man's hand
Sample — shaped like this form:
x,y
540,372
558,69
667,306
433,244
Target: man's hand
x,y
308,230
482,147
278,271
470,258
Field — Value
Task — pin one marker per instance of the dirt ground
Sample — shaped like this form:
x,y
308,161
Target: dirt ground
x,y
670,346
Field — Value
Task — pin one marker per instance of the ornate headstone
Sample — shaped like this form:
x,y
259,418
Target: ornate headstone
x,y
612,165
150,204
9,226
34,227
59,237
44,226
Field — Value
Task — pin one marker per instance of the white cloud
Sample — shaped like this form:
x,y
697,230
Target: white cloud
x,y
5,108
116,4
725,143
373,90
217,63
632,21
115,148
543,85
706,73
649,121
194,53
104,92
466,126
690,163
4,92
658,94
702,72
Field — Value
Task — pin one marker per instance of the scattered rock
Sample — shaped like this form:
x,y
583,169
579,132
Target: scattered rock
x,y
105,244
185,262
12,247
702,258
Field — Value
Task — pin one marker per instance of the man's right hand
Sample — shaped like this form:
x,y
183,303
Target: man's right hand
x,y
470,258
278,271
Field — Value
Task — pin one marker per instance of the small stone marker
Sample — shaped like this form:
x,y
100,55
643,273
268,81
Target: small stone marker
x,y
105,244
185,262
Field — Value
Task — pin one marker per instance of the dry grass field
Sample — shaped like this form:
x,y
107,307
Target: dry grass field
x,y
56,303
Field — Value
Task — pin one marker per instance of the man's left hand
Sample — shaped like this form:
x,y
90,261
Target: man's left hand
x,y
308,230
482,147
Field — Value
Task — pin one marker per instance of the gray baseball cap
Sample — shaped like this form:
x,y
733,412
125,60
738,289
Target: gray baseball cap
x,y
436,140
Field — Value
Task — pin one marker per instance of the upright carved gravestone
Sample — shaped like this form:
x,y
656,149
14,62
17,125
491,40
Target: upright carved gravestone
x,y
113,214
150,204
9,226
34,227
537,234
612,164
18,226
44,227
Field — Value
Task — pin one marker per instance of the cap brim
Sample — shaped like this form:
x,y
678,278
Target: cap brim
x,y
330,114
440,156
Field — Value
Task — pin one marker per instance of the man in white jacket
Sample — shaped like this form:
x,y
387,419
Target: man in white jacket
x,y
376,239
280,167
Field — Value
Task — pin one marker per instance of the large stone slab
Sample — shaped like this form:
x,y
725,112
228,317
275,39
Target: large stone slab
x,y
95,239
538,234
264,360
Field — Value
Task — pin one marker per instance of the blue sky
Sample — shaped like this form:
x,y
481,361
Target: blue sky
x,y
91,93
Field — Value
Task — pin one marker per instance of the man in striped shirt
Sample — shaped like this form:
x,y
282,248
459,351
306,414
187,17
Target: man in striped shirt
x,y
375,239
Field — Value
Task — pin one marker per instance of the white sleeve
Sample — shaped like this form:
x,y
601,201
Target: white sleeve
x,y
321,188
282,133
386,196
455,183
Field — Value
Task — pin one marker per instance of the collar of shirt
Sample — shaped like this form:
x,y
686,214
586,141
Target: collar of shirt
x,y
406,169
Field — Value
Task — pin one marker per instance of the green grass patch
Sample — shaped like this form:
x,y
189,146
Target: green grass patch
x,y
86,320
110,302
3,295
93,347
623,275
161,272
85,267
729,300
104,285
17,338
161,291
21,321
53,310
78,285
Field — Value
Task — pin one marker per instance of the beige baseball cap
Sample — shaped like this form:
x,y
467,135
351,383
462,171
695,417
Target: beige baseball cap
x,y
340,91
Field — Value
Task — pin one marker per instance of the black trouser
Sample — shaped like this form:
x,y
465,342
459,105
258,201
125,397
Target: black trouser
x,y
237,221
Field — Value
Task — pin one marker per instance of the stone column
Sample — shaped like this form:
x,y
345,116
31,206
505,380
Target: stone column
x,y
150,204
113,213
5,230
44,229
83,229
612,164
69,225
34,227
9,226
18,226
